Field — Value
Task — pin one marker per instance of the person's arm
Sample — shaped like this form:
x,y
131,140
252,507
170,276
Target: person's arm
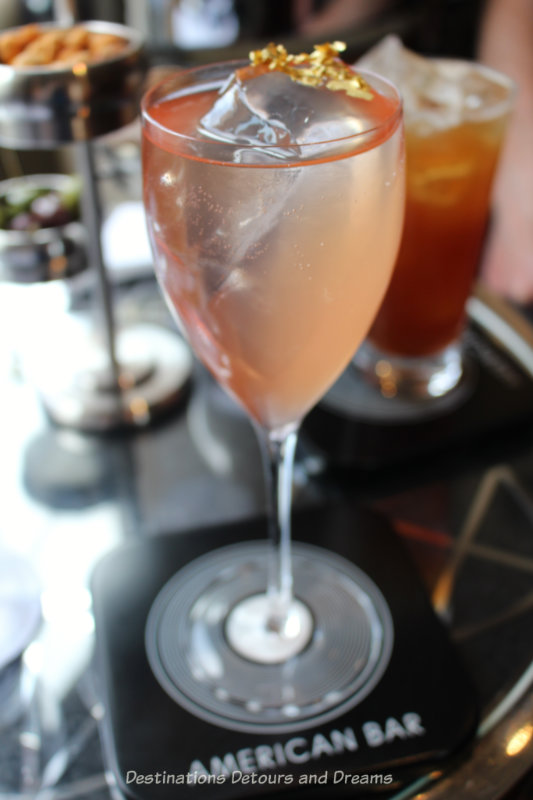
x,y
506,43
335,16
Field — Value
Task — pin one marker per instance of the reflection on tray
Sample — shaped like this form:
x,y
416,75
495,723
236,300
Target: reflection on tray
x,y
355,427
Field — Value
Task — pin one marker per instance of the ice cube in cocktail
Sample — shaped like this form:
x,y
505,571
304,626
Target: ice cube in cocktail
x,y
271,109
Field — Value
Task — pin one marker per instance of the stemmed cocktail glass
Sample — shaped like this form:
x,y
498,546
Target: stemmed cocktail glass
x,y
274,257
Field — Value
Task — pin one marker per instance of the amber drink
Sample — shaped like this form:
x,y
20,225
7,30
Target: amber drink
x,y
455,118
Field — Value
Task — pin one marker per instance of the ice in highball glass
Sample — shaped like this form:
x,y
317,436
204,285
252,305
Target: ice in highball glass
x,y
274,193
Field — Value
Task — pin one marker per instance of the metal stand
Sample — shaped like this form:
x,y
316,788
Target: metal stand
x,y
130,375
92,217
127,377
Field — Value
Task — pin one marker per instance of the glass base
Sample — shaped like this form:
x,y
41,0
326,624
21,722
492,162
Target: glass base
x,y
251,636
333,652
411,379
79,392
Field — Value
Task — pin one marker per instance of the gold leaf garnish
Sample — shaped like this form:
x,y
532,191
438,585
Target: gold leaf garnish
x,y
322,67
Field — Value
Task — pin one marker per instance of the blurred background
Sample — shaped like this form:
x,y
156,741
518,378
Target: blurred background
x,y
188,32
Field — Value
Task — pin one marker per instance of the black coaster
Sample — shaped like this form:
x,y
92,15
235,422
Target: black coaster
x,y
421,711
354,427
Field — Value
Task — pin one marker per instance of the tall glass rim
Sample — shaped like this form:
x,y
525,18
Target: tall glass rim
x,y
491,110
162,89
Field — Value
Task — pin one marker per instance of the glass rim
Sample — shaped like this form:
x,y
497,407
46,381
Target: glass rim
x,y
146,103
496,107
486,112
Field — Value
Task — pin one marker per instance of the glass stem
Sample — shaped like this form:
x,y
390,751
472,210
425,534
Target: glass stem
x,y
278,448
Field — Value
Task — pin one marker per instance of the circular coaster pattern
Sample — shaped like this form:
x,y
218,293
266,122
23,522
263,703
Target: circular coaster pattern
x,y
347,653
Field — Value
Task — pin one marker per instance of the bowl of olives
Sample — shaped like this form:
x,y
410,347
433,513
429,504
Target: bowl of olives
x,y
41,236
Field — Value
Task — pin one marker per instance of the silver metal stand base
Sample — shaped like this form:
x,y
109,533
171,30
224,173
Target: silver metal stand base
x,y
155,366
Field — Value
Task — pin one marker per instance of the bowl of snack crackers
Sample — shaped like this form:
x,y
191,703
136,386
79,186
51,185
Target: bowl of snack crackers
x,y
66,84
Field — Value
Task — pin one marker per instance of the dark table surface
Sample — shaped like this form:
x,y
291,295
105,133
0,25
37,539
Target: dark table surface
x,y
68,498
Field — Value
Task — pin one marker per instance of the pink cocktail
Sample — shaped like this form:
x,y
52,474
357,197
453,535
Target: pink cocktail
x,y
274,249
